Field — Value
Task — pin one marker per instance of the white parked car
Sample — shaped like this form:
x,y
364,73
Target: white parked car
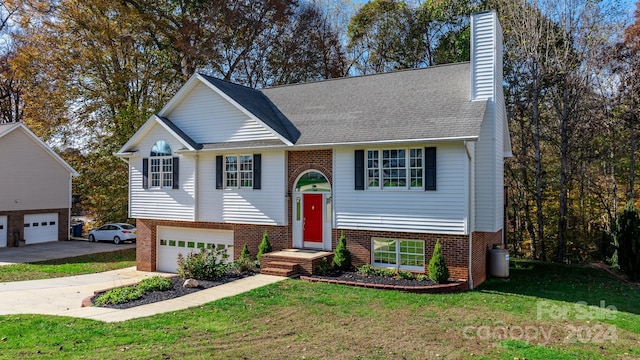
x,y
113,232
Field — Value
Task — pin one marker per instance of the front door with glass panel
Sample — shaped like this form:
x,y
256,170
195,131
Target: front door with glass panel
x,y
313,219
312,211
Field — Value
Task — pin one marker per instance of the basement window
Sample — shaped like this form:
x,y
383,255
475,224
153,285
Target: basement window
x,y
399,254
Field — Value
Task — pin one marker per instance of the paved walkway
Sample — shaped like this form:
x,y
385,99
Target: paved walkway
x,y
56,250
63,296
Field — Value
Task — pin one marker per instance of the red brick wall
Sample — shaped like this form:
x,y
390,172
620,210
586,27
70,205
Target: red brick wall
x,y
146,252
301,161
15,221
279,237
482,242
454,247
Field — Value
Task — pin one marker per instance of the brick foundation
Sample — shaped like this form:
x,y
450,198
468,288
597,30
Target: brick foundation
x,y
454,247
15,220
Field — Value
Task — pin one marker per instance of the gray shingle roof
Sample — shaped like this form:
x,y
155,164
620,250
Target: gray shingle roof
x,y
430,103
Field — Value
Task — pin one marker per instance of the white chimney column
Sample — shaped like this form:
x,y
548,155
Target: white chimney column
x,y
486,55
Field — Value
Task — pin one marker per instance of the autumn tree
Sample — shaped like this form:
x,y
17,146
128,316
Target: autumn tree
x,y
388,35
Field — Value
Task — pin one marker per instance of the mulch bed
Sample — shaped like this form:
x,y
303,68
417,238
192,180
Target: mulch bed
x,y
353,278
176,291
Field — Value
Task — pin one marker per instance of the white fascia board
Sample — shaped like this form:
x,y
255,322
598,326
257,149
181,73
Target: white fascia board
x,y
45,147
144,129
244,111
389,142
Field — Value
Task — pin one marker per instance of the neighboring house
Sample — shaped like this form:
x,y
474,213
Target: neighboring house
x,y
35,189
396,161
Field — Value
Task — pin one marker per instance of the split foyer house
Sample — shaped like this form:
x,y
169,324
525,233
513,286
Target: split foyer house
x,y
35,195
396,161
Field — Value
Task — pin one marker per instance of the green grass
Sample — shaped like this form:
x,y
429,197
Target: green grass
x,y
295,319
86,264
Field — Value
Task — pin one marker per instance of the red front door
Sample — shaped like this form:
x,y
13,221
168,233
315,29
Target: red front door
x,y
312,217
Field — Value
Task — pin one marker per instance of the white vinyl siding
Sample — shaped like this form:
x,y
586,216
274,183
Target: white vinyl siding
x,y
487,84
31,178
442,211
207,117
169,204
267,205
483,56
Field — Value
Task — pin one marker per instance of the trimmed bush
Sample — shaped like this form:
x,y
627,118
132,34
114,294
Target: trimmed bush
x,y
265,246
155,283
342,255
208,264
245,254
438,270
119,296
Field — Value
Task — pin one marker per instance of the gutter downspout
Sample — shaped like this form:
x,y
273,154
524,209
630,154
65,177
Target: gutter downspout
x,y
469,202
69,208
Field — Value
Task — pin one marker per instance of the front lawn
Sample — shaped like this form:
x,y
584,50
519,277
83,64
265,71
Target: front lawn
x,y
533,315
86,264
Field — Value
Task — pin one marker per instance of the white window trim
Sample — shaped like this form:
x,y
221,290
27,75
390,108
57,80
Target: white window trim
x,y
380,170
238,171
397,264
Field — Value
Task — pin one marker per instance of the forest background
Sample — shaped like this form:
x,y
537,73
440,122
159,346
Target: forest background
x,y
84,75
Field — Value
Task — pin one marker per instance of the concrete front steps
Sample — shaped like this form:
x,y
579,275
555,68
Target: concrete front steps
x,y
293,262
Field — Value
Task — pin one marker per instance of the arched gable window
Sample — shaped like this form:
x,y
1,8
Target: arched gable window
x,y
162,167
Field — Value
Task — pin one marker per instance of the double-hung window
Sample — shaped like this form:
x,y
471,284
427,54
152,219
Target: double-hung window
x,y
395,168
161,165
398,253
238,171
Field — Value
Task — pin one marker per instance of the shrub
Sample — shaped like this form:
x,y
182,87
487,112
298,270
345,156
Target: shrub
x,y
626,239
208,264
155,283
245,254
422,277
438,270
342,255
243,265
370,270
119,296
325,267
265,246
406,275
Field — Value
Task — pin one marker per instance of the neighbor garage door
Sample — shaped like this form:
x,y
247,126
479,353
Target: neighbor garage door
x,y
174,240
39,228
3,231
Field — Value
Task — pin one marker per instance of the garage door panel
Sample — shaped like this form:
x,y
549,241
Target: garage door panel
x,y
39,228
3,231
172,241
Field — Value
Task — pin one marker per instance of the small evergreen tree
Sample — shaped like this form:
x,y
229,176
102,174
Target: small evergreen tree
x,y
438,269
342,255
626,239
245,254
265,246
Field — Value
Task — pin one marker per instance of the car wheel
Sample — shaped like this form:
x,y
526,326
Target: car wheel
x,y
116,240
92,238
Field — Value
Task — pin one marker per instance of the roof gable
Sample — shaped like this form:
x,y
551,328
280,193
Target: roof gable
x,y
170,127
6,129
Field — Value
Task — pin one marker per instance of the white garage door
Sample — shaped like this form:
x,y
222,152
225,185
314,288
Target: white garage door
x,y
39,228
174,240
3,231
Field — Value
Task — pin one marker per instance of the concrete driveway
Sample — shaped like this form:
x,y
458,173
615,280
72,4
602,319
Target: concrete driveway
x,y
56,250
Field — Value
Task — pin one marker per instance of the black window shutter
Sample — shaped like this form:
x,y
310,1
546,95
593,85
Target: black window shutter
x,y
219,172
359,169
257,171
176,173
145,173
430,168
